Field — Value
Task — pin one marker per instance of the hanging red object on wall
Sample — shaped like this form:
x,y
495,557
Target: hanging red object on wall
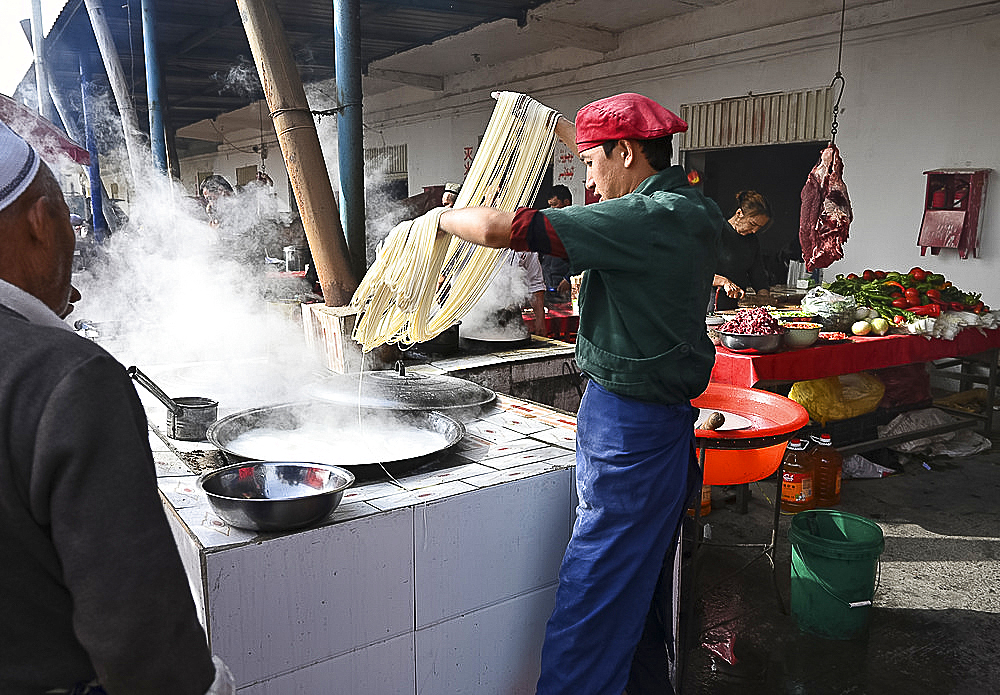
x,y
953,206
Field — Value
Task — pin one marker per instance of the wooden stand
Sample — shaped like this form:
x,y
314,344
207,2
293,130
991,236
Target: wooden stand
x,y
328,332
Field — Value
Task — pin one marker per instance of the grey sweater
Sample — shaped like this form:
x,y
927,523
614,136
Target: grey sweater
x,y
90,579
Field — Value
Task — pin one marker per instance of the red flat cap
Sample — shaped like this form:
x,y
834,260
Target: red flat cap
x,y
624,116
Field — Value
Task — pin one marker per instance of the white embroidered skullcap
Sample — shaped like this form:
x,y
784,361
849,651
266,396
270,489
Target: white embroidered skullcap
x,y
18,165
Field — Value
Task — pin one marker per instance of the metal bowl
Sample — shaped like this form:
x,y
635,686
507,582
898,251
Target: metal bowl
x,y
800,334
275,495
751,342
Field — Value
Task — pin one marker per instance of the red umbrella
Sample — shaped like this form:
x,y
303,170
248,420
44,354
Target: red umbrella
x,y
46,138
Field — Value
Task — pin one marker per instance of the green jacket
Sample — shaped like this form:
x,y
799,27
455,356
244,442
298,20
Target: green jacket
x,y
648,259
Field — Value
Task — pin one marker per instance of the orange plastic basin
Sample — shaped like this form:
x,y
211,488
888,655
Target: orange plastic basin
x,y
730,457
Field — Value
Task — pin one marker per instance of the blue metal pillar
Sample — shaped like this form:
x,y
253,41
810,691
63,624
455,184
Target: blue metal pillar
x,y
157,136
350,136
94,170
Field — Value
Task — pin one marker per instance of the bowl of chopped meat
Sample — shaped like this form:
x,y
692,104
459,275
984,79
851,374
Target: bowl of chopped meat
x,y
752,330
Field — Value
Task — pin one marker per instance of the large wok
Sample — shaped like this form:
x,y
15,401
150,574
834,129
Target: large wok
x,y
292,420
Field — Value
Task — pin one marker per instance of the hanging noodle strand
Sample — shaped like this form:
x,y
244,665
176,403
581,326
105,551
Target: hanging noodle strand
x,y
420,283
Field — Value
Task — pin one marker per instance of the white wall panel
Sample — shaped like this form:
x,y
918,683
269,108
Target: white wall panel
x,y
305,597
478,547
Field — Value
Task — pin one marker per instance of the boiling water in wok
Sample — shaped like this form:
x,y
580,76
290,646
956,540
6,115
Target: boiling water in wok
x,y
347,443
363,440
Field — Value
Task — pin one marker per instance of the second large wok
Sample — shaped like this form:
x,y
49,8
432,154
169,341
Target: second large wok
x,y
366,441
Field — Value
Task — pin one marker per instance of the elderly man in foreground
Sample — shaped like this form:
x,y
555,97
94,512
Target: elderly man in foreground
x,y
93,595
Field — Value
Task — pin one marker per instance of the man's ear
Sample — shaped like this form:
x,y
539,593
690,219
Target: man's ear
x,y
36,219
628,152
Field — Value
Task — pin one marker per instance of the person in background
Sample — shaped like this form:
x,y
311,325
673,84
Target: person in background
x,y
213,188
93,594
450,195
647,251
740,264
554,269
536,286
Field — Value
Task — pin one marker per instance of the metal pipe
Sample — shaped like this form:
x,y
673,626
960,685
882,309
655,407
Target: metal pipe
x,y
299,141
41,79
157,137
350,133
94,170
119,87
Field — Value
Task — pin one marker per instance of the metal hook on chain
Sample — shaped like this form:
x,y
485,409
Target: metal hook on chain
x,y
836,106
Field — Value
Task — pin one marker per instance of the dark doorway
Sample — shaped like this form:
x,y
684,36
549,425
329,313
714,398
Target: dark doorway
x,y
778,172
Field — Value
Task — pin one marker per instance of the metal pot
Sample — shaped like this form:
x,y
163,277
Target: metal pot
x,y
290,417
188,417
444,343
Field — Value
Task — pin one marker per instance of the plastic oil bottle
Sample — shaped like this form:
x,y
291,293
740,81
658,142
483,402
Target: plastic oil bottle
x,y
798,477
829,471
706,502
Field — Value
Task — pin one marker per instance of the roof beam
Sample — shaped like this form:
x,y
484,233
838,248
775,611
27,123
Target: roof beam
x,y
571,35
466,7
199,37
413,79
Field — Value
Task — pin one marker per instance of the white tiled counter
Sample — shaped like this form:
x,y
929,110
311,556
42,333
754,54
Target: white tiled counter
x,y
440,582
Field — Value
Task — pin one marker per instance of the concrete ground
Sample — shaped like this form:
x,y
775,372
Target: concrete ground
x,y
935,624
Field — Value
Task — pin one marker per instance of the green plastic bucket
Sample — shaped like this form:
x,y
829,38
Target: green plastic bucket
x,y
835,563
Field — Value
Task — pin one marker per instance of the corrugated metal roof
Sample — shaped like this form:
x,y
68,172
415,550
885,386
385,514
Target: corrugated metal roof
x,y
205,53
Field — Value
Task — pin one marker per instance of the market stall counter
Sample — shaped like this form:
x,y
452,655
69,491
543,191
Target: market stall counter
x,y
442,578
859,353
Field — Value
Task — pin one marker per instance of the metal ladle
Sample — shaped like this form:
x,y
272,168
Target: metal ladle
x,y
188,417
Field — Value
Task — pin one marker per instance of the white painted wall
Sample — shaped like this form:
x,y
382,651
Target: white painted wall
x,y
921,93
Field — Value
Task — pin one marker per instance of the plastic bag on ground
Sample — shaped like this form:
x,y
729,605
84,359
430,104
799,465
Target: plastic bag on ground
x,y
857,466
956,443
838,397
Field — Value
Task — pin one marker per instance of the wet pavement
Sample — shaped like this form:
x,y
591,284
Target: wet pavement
x,y
935,623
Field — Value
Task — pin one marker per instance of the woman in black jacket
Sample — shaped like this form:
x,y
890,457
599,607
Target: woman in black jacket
x,y
739,264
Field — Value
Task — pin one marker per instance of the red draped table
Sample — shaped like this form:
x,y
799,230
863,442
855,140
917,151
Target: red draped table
x,y
857,354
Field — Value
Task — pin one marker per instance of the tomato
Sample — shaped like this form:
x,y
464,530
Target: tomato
x,y
933,294
852,276
918,274
896,295
900,303
911,293
880,274
868,275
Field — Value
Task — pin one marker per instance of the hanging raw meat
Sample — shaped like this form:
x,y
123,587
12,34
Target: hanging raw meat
x,y
826,211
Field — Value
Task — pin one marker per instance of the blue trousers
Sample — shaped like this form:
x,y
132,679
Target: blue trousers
x,y
635,468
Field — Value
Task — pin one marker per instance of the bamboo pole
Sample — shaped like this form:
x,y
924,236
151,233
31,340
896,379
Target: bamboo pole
x,y
119,87
299,141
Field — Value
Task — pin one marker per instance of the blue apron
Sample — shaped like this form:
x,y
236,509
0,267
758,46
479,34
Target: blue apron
x,y
635,470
